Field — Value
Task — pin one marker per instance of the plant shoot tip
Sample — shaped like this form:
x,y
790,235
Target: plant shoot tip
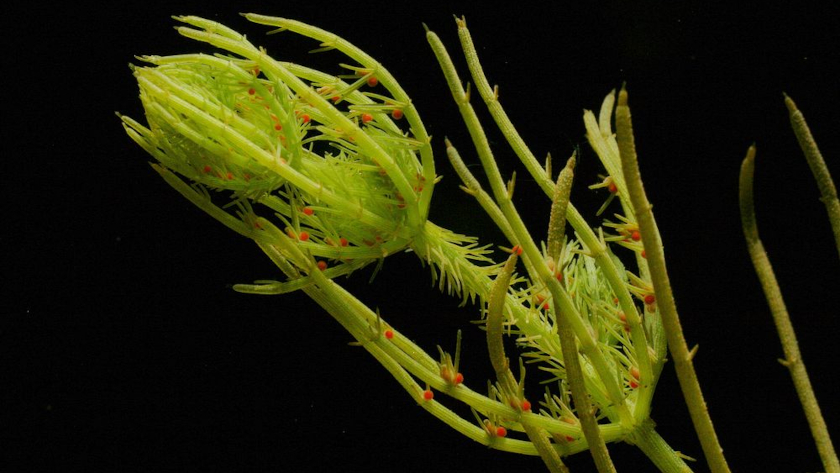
x,y
622,97
791,105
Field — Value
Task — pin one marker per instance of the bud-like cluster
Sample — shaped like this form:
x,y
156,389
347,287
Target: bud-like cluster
x,y
291,138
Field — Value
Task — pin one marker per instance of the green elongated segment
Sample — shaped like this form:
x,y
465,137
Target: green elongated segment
x,y
406,356
546,451
654,446
357,316
603,141
495,346
569,313
400,357
335,303
495,327
662,286
609,156
770,286
385,78
600,136
491,99
531,327
274,70
271,287
559,205
417,362
608,379
473,188
359,101
818,167
583,404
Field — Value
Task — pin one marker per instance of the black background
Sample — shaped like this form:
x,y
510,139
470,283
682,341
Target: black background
x,y
123,348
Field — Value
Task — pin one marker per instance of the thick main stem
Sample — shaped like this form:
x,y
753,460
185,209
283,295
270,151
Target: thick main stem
x,y
662,287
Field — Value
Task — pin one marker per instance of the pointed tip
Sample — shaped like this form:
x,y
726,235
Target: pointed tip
x,y
572,162
750,153
622,95
447,142
789,103
426,27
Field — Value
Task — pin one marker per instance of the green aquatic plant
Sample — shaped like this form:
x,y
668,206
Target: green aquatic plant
x,y
770,286
331,173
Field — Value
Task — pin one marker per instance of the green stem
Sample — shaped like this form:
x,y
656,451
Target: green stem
x,y
662,286
491,99
593,244
583,403
655,447
793,358
495,330
431,241
567,312
818,167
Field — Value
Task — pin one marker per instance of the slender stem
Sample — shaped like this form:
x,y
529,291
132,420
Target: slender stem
x,y
662,286
559,205
495,346
654,446
583,404
793,358
818,167
593,245
530,326
491,99
567,313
